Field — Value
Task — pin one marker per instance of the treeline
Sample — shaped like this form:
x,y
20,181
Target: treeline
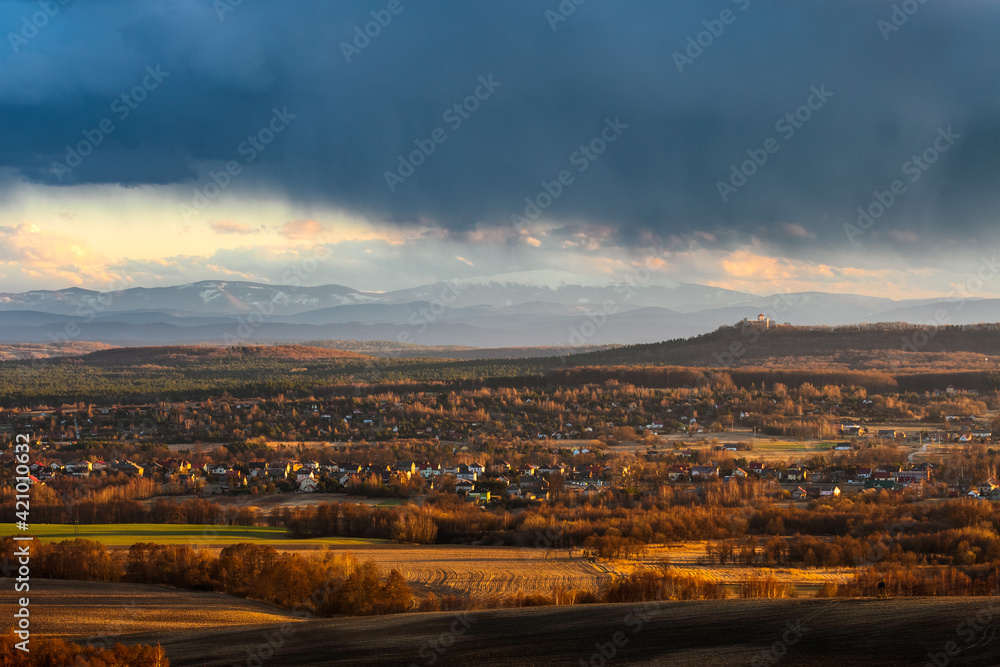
x,y
613,530
982,381
648,584
191,511
45,652
742,519
905,581
674,377
845,534
325,584
111,377
443,519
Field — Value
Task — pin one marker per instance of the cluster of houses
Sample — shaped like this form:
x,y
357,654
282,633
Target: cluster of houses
x,y
533,481
476,481
892,477
889,477
473,480
483,483
960,429
988,490
44,472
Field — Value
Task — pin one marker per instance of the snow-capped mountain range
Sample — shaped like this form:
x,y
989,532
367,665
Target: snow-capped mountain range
x,y
532,308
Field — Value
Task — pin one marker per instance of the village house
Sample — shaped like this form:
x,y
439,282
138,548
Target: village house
x,y
235,479
527,469
278,470
678,472
407,468
479,494
216,469
428,470
129,468
704,472
913,476
877,484
795,474
802,493
175,465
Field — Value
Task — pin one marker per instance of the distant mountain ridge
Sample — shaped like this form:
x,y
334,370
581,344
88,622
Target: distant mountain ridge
x,y
521,309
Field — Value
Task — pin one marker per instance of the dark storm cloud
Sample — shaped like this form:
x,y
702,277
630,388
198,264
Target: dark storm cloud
x,y
892,92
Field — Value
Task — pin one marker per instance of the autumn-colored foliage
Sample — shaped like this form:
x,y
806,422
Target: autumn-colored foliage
x,y
45,652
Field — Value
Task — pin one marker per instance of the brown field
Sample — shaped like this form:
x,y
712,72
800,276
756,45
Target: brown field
x,y
215,630
843,632
771,449
477,571
84,609
485,571
684,558
13,351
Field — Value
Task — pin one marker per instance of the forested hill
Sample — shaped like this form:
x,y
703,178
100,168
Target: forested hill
x,y
883,356
883,346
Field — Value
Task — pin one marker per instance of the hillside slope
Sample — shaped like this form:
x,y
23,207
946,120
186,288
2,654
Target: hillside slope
x,y
891,346
843,632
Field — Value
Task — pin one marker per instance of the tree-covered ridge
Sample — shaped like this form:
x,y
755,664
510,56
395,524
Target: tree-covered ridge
x,y
878,356
888,346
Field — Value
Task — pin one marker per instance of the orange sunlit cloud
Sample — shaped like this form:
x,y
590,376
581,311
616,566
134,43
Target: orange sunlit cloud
x,y
302,229
28,250
231,227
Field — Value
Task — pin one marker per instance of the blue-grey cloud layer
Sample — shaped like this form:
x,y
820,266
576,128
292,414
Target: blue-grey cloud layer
x,y
607,60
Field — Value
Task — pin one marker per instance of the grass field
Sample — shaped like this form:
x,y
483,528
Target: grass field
x,y
127,534
780,446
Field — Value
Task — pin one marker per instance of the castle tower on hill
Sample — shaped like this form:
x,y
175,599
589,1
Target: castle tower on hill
x,y
762,322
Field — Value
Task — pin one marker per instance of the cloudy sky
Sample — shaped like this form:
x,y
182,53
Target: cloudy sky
x,y
384,144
